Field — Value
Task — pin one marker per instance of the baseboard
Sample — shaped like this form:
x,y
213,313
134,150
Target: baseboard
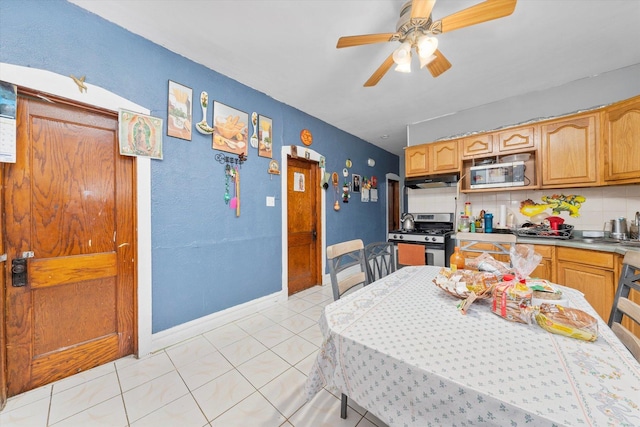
x,y
204,324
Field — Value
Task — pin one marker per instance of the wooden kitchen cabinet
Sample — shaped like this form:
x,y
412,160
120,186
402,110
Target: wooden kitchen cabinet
x,y
516,139
416,160
435,158
621,142
545,270
569,151
593,273
444,157
477,146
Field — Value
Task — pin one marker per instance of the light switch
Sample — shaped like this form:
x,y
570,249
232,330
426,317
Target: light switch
x,y
271,201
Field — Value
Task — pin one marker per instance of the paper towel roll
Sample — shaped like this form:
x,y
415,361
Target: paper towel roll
x,y
502,219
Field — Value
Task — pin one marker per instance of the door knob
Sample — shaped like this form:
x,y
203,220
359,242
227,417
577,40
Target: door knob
x,y
19,272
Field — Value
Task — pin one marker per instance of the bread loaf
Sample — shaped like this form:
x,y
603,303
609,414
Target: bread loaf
x,y
567,321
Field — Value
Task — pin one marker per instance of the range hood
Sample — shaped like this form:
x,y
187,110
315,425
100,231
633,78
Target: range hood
x,y
432,181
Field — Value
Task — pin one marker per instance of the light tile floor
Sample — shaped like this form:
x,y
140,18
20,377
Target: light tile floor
x,y
247,373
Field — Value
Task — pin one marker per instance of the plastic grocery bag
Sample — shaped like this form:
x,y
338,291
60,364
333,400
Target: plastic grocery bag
x,y
524,259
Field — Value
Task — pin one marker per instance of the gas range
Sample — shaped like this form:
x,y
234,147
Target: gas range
x,y
432,236
432,228
434,232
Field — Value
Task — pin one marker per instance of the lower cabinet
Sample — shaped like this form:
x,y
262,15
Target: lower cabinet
x,y
545,270
593,273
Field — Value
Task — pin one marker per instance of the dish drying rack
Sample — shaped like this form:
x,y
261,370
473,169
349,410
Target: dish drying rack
x,y
564,232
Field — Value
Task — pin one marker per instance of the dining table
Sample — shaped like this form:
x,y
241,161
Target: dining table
x,y
401,349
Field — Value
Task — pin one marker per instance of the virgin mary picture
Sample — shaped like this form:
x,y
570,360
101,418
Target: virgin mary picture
x,y
140,135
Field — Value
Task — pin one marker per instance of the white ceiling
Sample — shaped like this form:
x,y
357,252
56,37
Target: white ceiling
x,y
286,49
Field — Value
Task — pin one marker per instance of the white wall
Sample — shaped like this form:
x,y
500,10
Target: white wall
x,y
602,203
582,94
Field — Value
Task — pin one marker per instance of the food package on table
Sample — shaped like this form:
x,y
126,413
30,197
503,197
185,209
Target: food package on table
x,y
512,300
566,321
485,262
461,282
524,260
545,292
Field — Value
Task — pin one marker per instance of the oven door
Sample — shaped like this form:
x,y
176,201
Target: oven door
x,y
432,255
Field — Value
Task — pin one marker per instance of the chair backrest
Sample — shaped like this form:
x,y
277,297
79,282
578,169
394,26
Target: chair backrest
x,y
623,306
411,254
497,244
347,266
381,260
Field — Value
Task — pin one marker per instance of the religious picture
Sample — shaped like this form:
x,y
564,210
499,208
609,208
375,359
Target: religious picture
x,y
140,135
298,181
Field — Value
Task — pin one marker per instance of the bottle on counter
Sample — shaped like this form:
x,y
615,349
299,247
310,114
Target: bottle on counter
x,y
464,224
467,209
456,261
478,225
488,223
472,225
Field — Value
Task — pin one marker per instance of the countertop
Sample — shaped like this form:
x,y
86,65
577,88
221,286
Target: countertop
x,y
573,242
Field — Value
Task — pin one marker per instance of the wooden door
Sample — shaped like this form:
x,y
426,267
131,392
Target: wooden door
x,y
3,354
303,224
70,211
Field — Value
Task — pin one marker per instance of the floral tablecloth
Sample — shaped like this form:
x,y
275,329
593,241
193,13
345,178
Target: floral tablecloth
x,y
401,349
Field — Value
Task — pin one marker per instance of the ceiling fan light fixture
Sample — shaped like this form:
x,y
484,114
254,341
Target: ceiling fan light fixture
x,y
425,61
426,46
403,68
402,55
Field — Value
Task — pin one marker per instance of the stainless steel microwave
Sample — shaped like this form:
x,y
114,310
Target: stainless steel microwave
x,y
498,175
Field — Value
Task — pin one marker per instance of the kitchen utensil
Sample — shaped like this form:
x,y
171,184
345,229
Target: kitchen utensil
x,y
233,203
634,228
408,222
619,228
555,222
237,192
202,126
539,218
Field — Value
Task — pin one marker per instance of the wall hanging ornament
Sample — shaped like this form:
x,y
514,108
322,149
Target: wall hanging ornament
x,y
345,192
202,126
254,135
334,181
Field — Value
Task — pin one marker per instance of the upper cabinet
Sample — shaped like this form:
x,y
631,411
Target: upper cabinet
x,y
477,146
499,143
621,142
569,151
434,158
416,160
516,139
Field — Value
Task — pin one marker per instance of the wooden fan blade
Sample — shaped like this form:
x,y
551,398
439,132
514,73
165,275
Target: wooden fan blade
x,y
485,11
438,65
349,41
421,8
380,72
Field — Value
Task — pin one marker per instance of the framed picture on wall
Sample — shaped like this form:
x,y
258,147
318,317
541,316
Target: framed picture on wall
x,y
139,134
265,135
355,185
180,111
230,129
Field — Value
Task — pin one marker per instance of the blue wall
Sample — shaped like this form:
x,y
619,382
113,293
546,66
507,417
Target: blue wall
x,y
204,258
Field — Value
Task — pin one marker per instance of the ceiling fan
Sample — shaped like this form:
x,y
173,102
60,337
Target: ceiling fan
x,y
416,29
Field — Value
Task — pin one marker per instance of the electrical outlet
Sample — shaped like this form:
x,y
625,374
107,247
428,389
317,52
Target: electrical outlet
x,y
271,201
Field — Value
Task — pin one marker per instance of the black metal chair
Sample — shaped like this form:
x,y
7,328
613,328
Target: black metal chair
x,y
381,260
623,306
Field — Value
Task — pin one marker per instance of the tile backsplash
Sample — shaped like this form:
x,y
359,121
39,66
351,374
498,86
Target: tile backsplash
x,y
602,203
